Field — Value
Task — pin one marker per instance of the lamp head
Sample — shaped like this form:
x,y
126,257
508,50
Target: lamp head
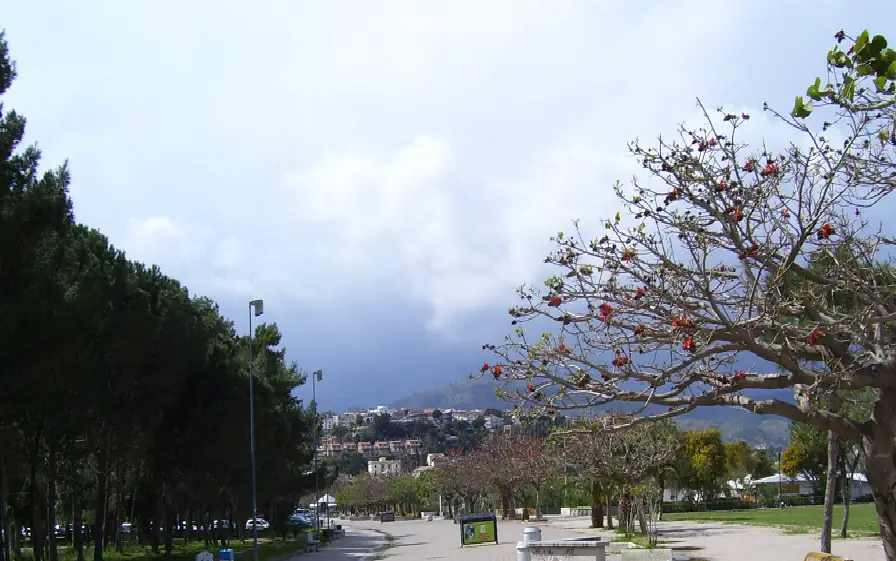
x,y
258,306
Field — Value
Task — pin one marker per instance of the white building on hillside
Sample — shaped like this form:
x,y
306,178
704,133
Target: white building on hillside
x,y
384,467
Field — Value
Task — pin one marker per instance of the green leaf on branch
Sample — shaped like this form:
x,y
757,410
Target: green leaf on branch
x,y
849,88
814,90
801,108
881,84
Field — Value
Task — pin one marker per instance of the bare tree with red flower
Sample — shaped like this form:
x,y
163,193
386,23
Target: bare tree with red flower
x,y
694,280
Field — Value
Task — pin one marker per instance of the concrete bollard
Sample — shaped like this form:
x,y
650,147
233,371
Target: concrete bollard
x,y
531,534
522,552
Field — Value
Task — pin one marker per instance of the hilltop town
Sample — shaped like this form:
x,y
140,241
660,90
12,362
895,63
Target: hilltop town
x,y
389,441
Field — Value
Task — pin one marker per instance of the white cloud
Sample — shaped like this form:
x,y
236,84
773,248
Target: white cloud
x,y
321,152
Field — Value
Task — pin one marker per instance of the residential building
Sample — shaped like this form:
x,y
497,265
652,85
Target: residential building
x,y
433,459
384,467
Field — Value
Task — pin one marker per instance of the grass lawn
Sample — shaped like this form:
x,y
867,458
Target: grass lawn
x,y
268,550
862,518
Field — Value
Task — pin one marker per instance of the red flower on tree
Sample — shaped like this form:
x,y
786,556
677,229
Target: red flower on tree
x,y
681,322
673,195
485,367
721,186
770,169
606,312
815,336
628,255
688,344
620,360
748,166
561,348
531,387
554,301
825,232
639,330
639,293
497,371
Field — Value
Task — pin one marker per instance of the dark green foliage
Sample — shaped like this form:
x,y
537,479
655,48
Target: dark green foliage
x,y
123,397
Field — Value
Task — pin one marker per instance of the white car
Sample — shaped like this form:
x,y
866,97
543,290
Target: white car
x,y
260,523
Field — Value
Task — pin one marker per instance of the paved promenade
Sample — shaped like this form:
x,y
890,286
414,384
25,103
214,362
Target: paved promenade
x,y
439,540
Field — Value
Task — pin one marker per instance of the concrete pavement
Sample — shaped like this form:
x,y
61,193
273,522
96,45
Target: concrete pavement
x,y
358,544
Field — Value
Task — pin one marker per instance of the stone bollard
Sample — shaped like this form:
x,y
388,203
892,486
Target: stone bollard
x,y
531,534
522,552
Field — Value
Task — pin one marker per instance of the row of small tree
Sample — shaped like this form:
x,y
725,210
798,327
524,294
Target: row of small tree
x,y
625,471
122,396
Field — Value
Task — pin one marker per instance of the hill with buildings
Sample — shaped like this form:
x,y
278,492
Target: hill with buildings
x,y
733,423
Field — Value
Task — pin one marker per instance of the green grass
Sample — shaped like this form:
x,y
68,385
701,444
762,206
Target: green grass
x,y
862,518
268,550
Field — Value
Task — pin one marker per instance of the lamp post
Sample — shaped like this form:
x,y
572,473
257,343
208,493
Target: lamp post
x,y
256,308
316,376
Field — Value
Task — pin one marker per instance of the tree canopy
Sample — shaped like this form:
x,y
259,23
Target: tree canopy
x,y
689,291
123,394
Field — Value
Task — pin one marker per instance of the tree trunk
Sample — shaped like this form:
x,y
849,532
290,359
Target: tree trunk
x,y
662,482
4,531
625,521
51,504
609,511
169,521
642,519
188,527
77,530
597,509
119,507
830,494
37,544
102,482
879,453
537,502
849,470
846,494
155,537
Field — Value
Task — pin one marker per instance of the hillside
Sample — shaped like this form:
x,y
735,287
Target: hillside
x,y
733,423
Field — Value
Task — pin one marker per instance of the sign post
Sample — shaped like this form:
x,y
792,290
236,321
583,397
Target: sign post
x,y
478,529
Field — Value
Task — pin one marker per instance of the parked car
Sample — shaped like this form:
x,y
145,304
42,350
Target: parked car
x,y
299,521
260,523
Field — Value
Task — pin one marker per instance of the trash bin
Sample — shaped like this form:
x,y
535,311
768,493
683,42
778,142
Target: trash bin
x,y
225,555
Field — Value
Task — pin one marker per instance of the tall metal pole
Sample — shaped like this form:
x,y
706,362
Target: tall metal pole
x,y
255,308
316,482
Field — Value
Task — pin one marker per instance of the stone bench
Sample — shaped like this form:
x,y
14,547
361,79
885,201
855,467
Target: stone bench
x,y
564,549
815,556
312,544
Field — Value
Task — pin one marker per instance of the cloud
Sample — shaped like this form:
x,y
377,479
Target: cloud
x,y
394,170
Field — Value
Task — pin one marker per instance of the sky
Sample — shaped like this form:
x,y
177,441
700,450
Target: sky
x,y
384,174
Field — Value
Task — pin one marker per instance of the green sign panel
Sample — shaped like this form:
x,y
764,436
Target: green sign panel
x,y
477,529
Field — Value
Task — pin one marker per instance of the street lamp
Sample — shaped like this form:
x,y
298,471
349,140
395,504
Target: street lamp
x,y
316,376
256,308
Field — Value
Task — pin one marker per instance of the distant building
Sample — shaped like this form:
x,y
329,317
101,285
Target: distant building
x,y
384,467
434,459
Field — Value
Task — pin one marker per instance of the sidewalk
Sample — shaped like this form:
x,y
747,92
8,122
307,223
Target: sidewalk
x,y
358,544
